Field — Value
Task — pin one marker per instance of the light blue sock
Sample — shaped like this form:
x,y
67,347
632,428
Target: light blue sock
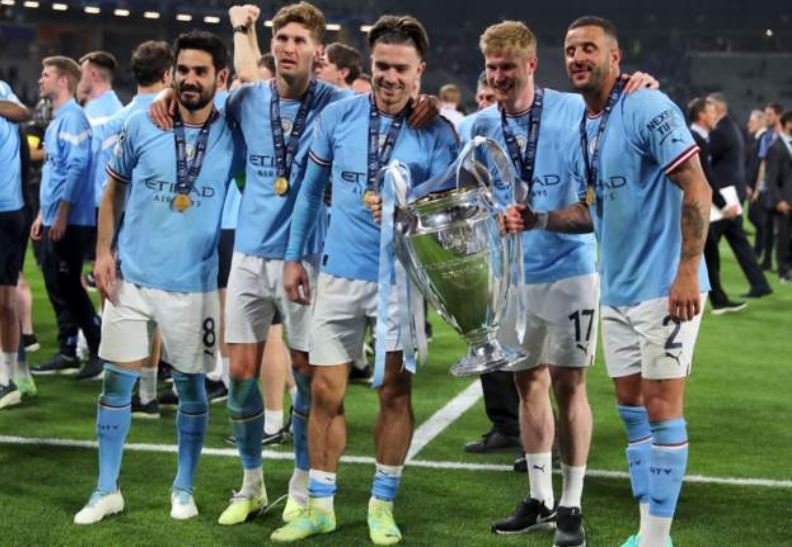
x,y
192,419
113,418
639,448
667,467
318,488
302,406
385,485
246,414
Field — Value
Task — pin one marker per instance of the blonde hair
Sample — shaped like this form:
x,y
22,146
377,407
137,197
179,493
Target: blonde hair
x,y
304,14
508,37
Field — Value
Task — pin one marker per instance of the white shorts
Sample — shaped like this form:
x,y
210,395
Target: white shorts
x,y
561,326
187,325
341,312
643,340
255,290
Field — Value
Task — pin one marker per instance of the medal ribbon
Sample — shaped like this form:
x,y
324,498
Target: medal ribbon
x,y
525,164
187,171
592,164
376,157
285,152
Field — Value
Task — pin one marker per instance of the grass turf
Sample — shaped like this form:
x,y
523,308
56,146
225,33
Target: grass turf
x,y
736,408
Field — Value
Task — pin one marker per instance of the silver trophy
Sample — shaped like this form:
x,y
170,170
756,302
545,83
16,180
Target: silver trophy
x,y
448,239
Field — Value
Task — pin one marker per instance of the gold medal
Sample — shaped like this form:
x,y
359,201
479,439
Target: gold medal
x,y
367,195
590,195
281,186
181,202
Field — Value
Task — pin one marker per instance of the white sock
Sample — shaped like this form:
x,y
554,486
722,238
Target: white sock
x,y
572,485
5,368
392,470
643,507
217,372
252,481
224,374
658,530
540,477
298,486
273,421
147,389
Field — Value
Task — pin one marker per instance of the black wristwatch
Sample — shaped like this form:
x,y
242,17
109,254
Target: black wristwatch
x,y
241,28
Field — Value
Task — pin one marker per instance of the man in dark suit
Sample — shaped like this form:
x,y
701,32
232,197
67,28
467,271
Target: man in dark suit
x,y
779,188
701,115
727,157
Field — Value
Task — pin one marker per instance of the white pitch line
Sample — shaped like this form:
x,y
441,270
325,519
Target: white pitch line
x,y
444,417
366,460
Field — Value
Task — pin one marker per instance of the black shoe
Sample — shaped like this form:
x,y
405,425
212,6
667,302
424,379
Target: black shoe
x,y
216,391
169,398
428,331
148,411
530,515
360,375
494,441
569,527
728,307
757,292
58,364
164,372
281,437
92,370
30,342
230,439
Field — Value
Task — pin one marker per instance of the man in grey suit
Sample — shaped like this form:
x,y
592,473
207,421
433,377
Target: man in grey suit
x,y
779,188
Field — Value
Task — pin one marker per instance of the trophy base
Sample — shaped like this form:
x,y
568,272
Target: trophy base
x,y
485,357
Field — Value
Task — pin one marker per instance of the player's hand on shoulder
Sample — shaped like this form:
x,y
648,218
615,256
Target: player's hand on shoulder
x,y
425,108
684,299
639,80
163,109
295,282
374,203
105,274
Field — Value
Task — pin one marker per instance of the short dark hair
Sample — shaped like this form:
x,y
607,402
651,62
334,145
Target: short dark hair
x,y
150,61
268,61
203,41
786,118
778,108
695,108
302,13
595,21
102,59
345,56
399,29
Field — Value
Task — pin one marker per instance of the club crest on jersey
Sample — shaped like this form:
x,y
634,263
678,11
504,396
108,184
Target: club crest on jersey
x,y
522,142
287,126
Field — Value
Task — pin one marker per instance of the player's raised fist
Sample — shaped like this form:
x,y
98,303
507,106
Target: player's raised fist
x,y
240,16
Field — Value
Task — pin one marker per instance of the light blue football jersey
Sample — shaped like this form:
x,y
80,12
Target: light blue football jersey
x,y
265,217
10,168
341,141
548,256
638,226
99,111
159,247
465,129
66,171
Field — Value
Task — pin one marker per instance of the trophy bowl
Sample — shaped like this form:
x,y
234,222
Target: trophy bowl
x,y
451,244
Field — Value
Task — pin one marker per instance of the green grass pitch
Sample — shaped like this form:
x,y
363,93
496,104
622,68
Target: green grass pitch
x,y
738,407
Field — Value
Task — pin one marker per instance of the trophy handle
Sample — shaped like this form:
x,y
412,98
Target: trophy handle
x,y
507,179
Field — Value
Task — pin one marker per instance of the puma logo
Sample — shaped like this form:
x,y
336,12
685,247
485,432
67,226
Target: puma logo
x,y
582,348
539,467
676,358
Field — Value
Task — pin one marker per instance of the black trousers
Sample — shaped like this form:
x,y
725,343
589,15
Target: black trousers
x,y
732,230
502,402
762,220
783,224
61,266
717,295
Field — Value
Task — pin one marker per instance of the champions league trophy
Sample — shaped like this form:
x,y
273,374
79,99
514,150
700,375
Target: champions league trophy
x,y
450,243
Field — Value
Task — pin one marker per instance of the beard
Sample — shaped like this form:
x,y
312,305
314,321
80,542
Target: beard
x,y
204,97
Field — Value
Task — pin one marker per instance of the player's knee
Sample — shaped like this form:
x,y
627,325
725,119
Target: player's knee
x,y
192,392
569,387
396,394
533,384
244,398
326,394
117,386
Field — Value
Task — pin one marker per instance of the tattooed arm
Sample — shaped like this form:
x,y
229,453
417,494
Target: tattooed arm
x,y
684,299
